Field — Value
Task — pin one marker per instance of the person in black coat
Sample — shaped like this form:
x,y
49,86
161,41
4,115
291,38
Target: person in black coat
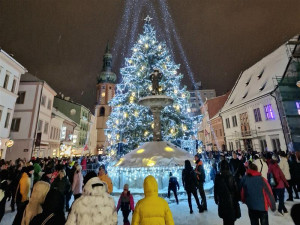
x,y
295,174
189,181
236,167
226,195
53,210
173,185
4,191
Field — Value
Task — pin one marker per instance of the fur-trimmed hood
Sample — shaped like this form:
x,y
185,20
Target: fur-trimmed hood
x,y
94,207
95,187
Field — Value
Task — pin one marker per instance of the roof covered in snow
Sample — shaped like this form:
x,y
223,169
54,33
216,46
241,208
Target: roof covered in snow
x,y
152,154
259,79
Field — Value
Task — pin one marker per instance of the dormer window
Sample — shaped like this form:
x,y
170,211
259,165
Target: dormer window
x,y
247,83
263,86
261,73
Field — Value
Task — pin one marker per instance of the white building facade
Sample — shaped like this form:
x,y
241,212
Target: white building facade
x,y
250,115
10,73
32,118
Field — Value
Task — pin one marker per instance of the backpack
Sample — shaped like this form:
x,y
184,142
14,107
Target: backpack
x,y
272,180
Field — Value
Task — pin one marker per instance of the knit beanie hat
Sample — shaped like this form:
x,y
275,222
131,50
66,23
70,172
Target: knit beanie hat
x,y
126,186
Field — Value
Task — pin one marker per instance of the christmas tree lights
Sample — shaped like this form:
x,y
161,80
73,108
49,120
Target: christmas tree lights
x,y
130,123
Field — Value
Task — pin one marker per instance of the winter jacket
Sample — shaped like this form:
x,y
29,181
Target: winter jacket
x,y
173,183
227,196
262,167
24,187
77,183
285,168
189,180
62,185
278,175
256,192
294,169
125,202
200,172
105,178
34,207
152,210
53,210
94,207
237,168
83,164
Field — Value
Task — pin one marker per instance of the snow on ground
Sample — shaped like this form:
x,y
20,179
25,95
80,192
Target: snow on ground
x,y
182,216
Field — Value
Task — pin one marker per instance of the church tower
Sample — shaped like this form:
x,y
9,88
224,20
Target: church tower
x,y
106,82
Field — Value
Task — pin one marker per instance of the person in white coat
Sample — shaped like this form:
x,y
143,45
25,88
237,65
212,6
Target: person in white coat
x,y
94,207
262,166
285,167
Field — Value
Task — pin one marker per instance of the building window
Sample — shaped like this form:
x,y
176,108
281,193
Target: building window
x,y
221,132
14,86
6,81
231,146
276,144
261,73
237,145
298,107
43,100
15,124
40,126
51,133
257,115
263,145
46,128
21,98
102,111
269,112
234,121
7,120
227,123
49,104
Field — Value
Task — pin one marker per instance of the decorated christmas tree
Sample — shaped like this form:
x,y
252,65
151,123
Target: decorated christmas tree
x,y
131,124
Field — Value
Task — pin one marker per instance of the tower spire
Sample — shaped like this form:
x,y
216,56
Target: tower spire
x,y
107,50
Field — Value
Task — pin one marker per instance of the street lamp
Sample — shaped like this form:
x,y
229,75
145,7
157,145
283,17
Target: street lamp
x,y
298,83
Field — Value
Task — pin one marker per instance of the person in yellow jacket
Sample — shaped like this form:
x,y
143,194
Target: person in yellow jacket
x,y
105,178
25,184
152,209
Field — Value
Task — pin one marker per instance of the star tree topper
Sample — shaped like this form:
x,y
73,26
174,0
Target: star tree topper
x,y
148,19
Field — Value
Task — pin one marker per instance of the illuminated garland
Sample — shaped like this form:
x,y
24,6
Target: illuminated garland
x,y
132,124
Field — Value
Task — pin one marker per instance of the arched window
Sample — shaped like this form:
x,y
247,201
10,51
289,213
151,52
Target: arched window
x,y
102,111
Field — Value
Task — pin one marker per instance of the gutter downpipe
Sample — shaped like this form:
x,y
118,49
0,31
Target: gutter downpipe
x,y
37,119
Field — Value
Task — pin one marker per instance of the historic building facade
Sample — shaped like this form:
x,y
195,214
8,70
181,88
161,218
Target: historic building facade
x,y
105,92
250,115
31,120
10,73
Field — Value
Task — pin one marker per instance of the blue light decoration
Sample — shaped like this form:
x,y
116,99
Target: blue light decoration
x,y
134,176
131,124
269,112
298,107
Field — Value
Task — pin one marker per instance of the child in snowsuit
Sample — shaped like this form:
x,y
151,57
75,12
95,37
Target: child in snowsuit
x,y
126,204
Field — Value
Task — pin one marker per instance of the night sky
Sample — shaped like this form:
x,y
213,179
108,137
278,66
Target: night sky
x,y
63,42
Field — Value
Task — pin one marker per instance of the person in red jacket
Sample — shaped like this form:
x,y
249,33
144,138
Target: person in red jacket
x,y
281,182
83,163
256,193
126,204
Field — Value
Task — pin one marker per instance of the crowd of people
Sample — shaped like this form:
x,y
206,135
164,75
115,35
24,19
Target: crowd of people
x,y
41,189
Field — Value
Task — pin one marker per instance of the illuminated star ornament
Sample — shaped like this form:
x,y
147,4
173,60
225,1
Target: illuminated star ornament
x,y
148,19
